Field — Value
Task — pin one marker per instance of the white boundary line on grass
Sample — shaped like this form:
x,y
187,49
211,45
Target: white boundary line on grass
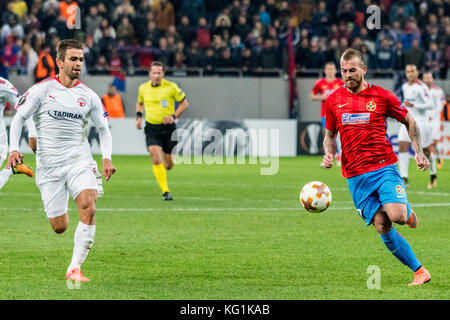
x,y
415,205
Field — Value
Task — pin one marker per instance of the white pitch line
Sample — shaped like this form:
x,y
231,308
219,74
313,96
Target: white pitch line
x,y
211,209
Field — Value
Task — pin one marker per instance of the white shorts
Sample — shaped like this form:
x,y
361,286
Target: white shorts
x,y
56,183
425,134
3,153
436,128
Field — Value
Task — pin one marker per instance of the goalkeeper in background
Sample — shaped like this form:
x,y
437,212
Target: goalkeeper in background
x,y
157,98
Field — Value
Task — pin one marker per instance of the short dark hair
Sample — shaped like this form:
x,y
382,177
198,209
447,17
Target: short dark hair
x,y
158,64
350,53
65,44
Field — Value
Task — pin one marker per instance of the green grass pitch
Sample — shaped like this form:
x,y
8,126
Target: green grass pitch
x,y
230,233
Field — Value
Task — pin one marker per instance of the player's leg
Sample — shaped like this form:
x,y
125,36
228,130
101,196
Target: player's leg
x,y
5,173
398,245
158,167
82,186
154,142
168,161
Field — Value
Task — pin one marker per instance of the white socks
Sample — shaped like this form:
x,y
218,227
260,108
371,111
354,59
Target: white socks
x,y
403,164
83,242
433,158
4,176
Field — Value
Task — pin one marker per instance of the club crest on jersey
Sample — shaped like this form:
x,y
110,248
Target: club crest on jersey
x,y
371,106
81,102
400,190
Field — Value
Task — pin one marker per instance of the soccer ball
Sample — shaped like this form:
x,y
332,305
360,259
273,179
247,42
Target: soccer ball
x,y
315,196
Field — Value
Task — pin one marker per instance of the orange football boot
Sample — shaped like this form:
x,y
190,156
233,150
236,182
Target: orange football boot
x,y
76,275
421,276
23,168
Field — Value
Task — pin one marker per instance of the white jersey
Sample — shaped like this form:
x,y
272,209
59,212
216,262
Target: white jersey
x,y
8,93
60,115
419,95
438,99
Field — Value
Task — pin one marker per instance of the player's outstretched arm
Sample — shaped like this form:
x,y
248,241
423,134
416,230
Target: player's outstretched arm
x,y
330,147
15,157
414,134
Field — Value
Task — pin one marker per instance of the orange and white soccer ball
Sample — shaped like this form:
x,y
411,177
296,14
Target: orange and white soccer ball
x,y
315,196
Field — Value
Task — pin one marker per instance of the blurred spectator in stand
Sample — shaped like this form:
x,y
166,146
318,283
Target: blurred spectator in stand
x,y
302,53
193,56
408,38
152,33
106,44
180,55
399,68
46,65
66,7
126,9
222,23
164,54
346,11
210,62
31,59
146,55
172,32
92,21
236,48
11,27
100,32
193,10
434,59
400,10
242,29
225,61
101,66
248,62
423,17
321,20
9,56
314,58
270,57
32,21
415,55
384,60
115,64
113,103
272,9
264,16
20,8
91,53
125,31
332,53
203,34
164,15
185,30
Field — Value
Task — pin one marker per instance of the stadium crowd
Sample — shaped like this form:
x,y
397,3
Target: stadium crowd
x,y
123,37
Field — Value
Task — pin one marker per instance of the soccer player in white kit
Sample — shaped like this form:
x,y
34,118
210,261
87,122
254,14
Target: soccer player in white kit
x,y
61,106
438,99
417,99
8,93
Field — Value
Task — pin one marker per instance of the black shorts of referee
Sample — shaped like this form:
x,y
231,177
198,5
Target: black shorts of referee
x,y
163,135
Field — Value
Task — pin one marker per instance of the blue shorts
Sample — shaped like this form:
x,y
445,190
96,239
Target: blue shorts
x,y
372,190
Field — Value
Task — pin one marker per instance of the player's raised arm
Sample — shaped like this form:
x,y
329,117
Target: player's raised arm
x,y
414,134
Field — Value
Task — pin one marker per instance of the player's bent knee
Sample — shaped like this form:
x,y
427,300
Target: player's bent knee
x,y
381,222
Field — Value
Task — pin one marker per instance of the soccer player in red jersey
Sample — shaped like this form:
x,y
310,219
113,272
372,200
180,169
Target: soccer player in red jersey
x,y
358,111
323,88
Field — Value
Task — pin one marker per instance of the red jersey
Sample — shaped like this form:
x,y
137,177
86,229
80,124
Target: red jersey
x,y
361,121
322,86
